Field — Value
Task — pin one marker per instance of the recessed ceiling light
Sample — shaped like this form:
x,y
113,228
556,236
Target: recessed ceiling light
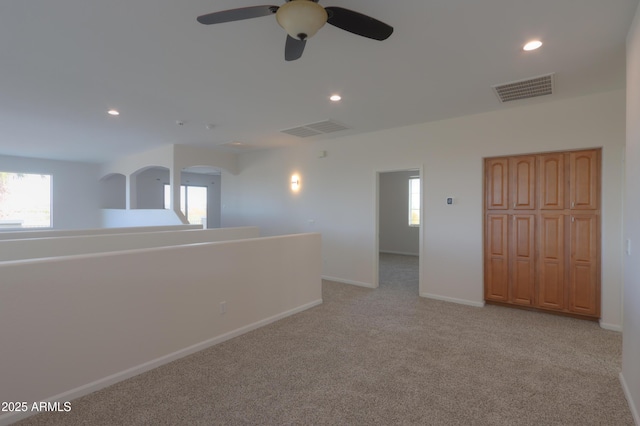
x,y
532,45
335,98
113,112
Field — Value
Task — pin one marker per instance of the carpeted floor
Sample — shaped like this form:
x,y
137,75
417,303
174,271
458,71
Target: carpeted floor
x,y
381,357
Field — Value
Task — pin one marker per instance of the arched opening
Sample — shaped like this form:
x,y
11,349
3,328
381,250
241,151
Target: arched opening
x,y
148,184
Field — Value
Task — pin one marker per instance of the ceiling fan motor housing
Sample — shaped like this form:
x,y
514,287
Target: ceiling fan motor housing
x,y
301,19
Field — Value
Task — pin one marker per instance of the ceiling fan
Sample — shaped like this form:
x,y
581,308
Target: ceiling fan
x,y
301,19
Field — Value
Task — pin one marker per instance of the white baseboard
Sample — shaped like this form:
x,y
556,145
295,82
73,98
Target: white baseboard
x,y
632,406
344,281
453,300
612,327
88,388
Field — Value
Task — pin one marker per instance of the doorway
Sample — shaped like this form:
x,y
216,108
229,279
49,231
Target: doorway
x,y
399,216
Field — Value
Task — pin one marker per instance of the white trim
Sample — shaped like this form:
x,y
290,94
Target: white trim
x,y
453,300
612,327
627,394
399,252
344,281
88,388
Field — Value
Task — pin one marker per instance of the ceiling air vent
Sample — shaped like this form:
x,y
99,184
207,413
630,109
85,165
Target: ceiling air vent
x,y
314,129
529,88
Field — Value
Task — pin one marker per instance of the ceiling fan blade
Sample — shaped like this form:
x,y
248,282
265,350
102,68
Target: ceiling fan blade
x,y
293,48
237,14
357,23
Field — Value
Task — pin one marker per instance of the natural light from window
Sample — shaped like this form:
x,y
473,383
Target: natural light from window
x,y
414,201
193,202
25,200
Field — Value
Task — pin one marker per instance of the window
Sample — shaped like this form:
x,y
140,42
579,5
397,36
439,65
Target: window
x,y
193,202
414,201
25,200
167,197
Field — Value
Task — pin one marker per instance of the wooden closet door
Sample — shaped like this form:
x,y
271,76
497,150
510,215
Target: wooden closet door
x,y
497,183
583,166
542,231
551,278
497,258
523,259
552,182
523,182
584,297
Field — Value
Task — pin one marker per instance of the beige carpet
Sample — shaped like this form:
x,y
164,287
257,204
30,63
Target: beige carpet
x,y
381,357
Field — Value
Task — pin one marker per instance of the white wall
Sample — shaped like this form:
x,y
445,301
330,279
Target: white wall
x,y
162,156
34,248
396,236
150,191
631,332
113,191
174,158
150,188
88,321
338,192
75,200
186,156
119,218
56,233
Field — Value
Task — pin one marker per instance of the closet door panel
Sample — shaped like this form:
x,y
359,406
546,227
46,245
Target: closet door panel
x,y
523,182
523,257
552,182
584,180
497,181
551,281
497,258
583,273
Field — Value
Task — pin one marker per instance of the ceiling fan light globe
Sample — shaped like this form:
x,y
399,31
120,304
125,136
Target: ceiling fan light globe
x,y
301,19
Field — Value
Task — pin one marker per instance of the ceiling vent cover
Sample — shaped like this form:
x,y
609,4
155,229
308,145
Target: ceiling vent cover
x,y
530,88
314,129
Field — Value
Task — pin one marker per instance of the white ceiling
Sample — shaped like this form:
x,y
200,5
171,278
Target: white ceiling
x,y
63,63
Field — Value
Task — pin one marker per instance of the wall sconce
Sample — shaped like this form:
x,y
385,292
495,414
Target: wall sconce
x,y
295,182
